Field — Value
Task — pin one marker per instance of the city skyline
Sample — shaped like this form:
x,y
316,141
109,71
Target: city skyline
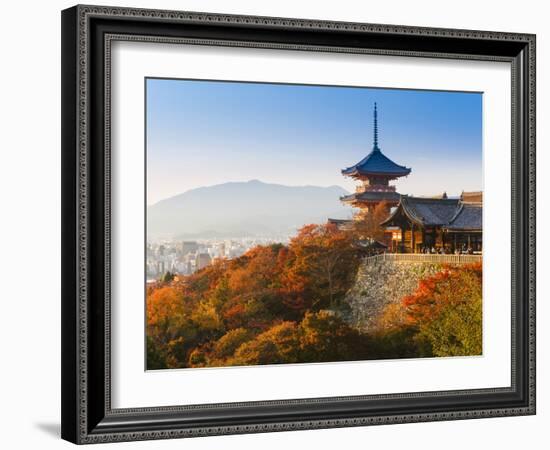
x,y
204,133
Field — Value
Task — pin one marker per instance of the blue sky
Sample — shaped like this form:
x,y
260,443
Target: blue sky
x,y
201,133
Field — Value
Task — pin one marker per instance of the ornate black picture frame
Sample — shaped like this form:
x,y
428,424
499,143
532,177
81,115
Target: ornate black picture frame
x,y
87,33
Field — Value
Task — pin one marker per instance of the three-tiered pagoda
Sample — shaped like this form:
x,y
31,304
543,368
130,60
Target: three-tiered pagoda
x,y
375,172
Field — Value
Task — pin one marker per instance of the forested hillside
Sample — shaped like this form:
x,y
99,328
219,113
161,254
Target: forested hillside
x,y
285,304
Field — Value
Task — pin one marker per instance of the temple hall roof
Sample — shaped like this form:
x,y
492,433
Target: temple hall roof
x,y
452,214
468,217
425,211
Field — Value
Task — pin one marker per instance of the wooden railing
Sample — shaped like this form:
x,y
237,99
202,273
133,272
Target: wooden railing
x,y
427,258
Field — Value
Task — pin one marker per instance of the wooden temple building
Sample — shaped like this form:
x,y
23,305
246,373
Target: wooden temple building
x,y
444,225
414,224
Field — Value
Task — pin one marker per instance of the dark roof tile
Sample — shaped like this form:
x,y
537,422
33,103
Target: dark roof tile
x,y
451,214
376,163
468,217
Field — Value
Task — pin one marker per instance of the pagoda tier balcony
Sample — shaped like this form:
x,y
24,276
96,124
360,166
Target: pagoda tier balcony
x,y
374,188
358,199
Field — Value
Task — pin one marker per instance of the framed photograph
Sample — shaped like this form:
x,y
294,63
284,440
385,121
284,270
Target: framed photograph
x,y
279,224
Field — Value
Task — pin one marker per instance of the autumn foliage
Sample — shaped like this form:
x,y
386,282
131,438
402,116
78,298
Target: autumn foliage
x,y
275,304
367,224
284,304
443,317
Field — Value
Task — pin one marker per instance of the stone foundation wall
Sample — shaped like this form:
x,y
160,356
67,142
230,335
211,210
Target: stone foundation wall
x,y
381,282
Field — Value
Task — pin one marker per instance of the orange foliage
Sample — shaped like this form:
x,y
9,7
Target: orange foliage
x,y
325,261
192,317
260,271
367,224
234,315
451,286
163,304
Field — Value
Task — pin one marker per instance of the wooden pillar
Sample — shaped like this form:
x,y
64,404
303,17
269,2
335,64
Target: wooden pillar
x,y
423,237
403,239
413,247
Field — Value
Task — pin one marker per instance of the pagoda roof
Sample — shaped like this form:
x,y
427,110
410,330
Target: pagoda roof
x,y
371,196
376,163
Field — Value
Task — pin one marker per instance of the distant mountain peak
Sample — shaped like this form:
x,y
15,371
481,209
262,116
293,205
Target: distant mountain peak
x,y
250,207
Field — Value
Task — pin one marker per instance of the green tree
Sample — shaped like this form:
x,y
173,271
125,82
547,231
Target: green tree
x,y
230,342
456,331
167,277
280,344
446,311
325,337
156,359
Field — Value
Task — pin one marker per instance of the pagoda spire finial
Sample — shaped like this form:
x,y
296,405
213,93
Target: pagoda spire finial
x,y
375,146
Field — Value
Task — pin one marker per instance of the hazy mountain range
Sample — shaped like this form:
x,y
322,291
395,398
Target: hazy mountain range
x,y
241,209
